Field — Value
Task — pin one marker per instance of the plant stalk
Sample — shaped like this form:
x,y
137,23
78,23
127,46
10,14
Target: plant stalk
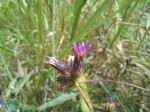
x,y
86,104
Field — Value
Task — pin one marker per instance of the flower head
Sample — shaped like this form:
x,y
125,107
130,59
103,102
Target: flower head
x,y
81,50
110,105
110,100
70,71
61,67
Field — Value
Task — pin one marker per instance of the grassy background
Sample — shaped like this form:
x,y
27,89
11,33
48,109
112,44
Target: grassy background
x,y
118,30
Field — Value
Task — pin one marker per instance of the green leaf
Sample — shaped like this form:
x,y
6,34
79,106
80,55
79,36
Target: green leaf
x,y
62,98
13,105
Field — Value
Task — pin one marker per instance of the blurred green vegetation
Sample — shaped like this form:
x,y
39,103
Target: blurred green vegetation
x,y
118,30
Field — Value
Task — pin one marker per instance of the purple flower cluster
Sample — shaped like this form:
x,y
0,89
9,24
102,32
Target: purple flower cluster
x,y
70,71
81,50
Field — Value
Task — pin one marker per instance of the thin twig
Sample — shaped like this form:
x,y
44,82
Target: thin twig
x,y
117,82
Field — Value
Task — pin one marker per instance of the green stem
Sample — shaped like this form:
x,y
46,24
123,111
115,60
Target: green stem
x,y
86,104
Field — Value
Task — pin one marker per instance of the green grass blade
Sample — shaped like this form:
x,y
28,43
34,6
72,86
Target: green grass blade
x,y
61,99
77,12
40,20
92,20
143,38
87,26
126,17
10,87
24,8
24,81
8,73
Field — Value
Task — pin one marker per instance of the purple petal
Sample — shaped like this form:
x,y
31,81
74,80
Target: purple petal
x,y
75,48
48,57
88,47
80,47
110,100
46,62
83,48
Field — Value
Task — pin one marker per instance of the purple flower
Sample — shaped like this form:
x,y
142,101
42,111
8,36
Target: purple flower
x,y
81,50
70,71
110,100
61,67
110,105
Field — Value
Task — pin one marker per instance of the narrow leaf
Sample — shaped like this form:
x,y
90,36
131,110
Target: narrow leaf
x,y
62,98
